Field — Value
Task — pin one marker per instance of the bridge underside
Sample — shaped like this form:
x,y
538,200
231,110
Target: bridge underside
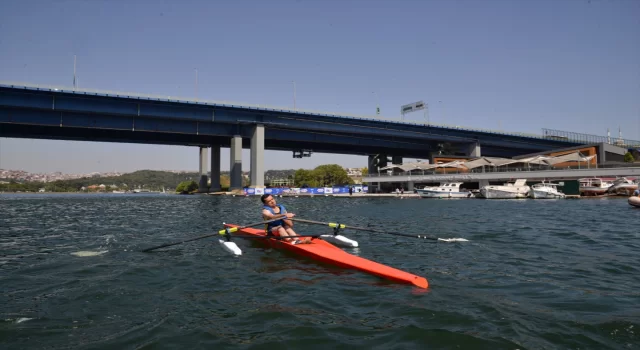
x,y
287,142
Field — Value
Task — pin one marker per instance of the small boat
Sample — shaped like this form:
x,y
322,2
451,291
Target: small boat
x,y
634,201
623,187
594,187
445,190
326,252
509,190
546,190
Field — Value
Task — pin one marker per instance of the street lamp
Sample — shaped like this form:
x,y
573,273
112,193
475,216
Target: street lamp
x,y
377,103
294,95
196,86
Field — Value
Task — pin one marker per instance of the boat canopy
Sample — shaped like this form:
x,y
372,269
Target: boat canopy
x,y
572,157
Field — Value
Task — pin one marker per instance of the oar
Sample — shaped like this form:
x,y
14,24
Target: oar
x,y
335,225
221,232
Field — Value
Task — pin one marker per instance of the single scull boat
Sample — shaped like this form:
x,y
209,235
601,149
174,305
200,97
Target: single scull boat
x,y
326,252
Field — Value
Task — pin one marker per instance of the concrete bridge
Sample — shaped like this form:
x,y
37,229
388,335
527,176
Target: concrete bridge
x,y
87,115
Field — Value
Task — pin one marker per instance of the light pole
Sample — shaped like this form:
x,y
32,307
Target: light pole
x,y
196,86
75,82
426,112
294,95
377,103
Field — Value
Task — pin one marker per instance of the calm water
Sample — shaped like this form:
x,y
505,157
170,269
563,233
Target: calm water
x,y
534,275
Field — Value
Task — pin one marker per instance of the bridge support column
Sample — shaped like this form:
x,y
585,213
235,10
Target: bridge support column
x,y
235,165
372,168
474,150
215,169
203,186
257,157
482,183
410,186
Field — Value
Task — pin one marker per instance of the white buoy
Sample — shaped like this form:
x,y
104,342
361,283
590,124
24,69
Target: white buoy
x,y
340,241
230,247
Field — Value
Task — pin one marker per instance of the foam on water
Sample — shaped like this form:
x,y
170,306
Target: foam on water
x,y
84,253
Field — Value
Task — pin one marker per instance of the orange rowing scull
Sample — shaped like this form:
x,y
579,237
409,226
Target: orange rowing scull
x,y
326,252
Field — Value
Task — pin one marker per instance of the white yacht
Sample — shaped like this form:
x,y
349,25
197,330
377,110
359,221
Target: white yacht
x,y
509,190
546,190
445,190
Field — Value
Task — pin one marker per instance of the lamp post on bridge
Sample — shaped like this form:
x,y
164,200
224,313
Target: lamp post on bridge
x,y
377,103
294,95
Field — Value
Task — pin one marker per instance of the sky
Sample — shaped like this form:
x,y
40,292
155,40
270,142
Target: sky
x,y
507,65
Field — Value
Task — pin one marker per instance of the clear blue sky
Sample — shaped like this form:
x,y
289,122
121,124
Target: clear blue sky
x,y
515,65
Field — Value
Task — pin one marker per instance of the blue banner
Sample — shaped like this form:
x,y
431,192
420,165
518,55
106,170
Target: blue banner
x,y
308,190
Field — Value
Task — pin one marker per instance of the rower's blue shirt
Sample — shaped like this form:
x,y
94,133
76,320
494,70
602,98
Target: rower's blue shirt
x,y
272,224
636,192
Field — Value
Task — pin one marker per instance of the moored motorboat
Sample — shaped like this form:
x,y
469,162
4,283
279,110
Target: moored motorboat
x,y
322,251
545,190
623,187
445,190
594,187
515,190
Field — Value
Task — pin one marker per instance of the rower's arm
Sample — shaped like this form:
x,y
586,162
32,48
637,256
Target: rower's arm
x,y
268,216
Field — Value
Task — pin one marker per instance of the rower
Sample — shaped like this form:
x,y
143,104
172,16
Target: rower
x,y
284,227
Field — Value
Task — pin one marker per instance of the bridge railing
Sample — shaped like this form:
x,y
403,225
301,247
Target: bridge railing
x,y
176,98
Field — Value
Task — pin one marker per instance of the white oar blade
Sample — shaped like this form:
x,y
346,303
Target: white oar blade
x,y
340,241
230,247
453,239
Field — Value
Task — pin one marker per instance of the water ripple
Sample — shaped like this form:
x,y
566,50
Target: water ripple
x,y
534,275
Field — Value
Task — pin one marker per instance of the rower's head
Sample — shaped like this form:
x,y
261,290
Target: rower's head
x,y
268,199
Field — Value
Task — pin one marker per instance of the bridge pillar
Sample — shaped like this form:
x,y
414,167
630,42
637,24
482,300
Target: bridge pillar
x,y
203,186
215,169
482,183
410,186
257,157
372,168
474,150
235,163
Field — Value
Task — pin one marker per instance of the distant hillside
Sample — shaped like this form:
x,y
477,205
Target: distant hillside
x,y
149,179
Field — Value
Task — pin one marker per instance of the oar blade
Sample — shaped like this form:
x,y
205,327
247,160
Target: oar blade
x,y
230,247
453,240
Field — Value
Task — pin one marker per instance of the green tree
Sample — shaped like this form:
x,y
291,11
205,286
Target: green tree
x,y
331,174
187,187
365,171
628,157
304,177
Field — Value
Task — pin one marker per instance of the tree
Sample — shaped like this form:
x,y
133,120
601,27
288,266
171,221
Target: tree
x,y
331,174
187,187
304,177
628,157
365,171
